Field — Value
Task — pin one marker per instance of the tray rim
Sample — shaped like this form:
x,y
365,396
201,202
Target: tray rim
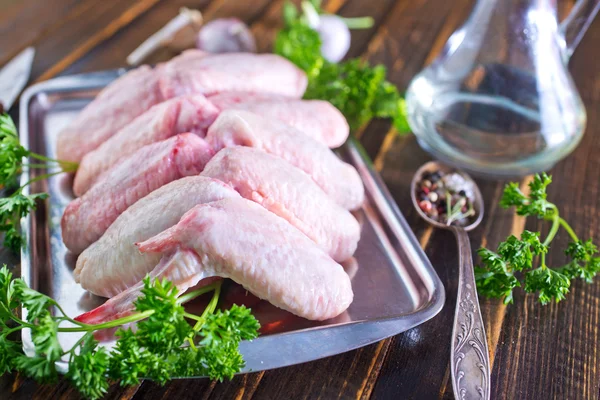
x,y
377,329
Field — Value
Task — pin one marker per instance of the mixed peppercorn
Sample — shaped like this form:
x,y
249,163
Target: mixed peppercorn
x,y
446,198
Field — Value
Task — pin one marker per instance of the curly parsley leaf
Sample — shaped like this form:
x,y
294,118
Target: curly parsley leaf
x,y
498,284
45,338
585,264
221,334
549,284
301,44
163,345
581,251
533,205
8,300
9,352
357,89
36,303
11,152
88,368
37,368
495,276
513,264
18,205
518,253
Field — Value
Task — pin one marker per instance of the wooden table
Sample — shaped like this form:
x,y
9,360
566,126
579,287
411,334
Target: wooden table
x,y
537,352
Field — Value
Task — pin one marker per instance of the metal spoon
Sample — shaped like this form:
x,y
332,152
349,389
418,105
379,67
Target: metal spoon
x,y
470,362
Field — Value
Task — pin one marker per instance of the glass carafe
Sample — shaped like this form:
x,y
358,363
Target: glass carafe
x,y
499,100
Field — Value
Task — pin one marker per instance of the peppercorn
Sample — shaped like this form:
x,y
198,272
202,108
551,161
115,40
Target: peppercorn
x,y
426,206
436,198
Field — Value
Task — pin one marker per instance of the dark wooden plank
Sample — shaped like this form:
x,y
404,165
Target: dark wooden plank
x,y
20,27
113,52
554,348
342,376
362,37
80,35
584,68
177,389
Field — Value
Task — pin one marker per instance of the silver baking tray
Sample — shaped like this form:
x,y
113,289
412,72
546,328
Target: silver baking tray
x,y
395,287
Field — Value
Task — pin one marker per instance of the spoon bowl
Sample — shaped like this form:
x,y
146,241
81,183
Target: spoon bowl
x,y
470,359
477,199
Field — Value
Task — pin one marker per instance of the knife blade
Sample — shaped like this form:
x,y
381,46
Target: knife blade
x,y
14,77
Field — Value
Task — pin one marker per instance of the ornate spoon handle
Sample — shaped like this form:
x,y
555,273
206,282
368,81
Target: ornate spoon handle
x,y
470,360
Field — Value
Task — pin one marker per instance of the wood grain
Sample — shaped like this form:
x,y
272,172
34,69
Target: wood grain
x,y
94,40
19,27
85,26
537,352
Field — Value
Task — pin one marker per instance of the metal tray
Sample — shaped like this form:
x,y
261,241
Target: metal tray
x,y
394,285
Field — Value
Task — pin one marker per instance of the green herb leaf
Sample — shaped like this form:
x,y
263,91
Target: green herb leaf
x,y
290,13
8,303
163,345
12,209
37,368
18,205
496,275
584,265
518,253
87,369
533,205
581,251
493,277
301,45
35,302
9,352
11,152
498,285
45,338
358,90
221,334
550,284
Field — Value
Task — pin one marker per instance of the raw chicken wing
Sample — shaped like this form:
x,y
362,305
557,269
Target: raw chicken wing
x,y
290,193
87,218
193,113
182,114
241,128
113,263
114,107
193,72
316,118
122,304
234,238
237,239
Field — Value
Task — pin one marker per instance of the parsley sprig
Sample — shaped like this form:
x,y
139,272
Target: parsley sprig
x,y
19,204
163,345
357,89
512,265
